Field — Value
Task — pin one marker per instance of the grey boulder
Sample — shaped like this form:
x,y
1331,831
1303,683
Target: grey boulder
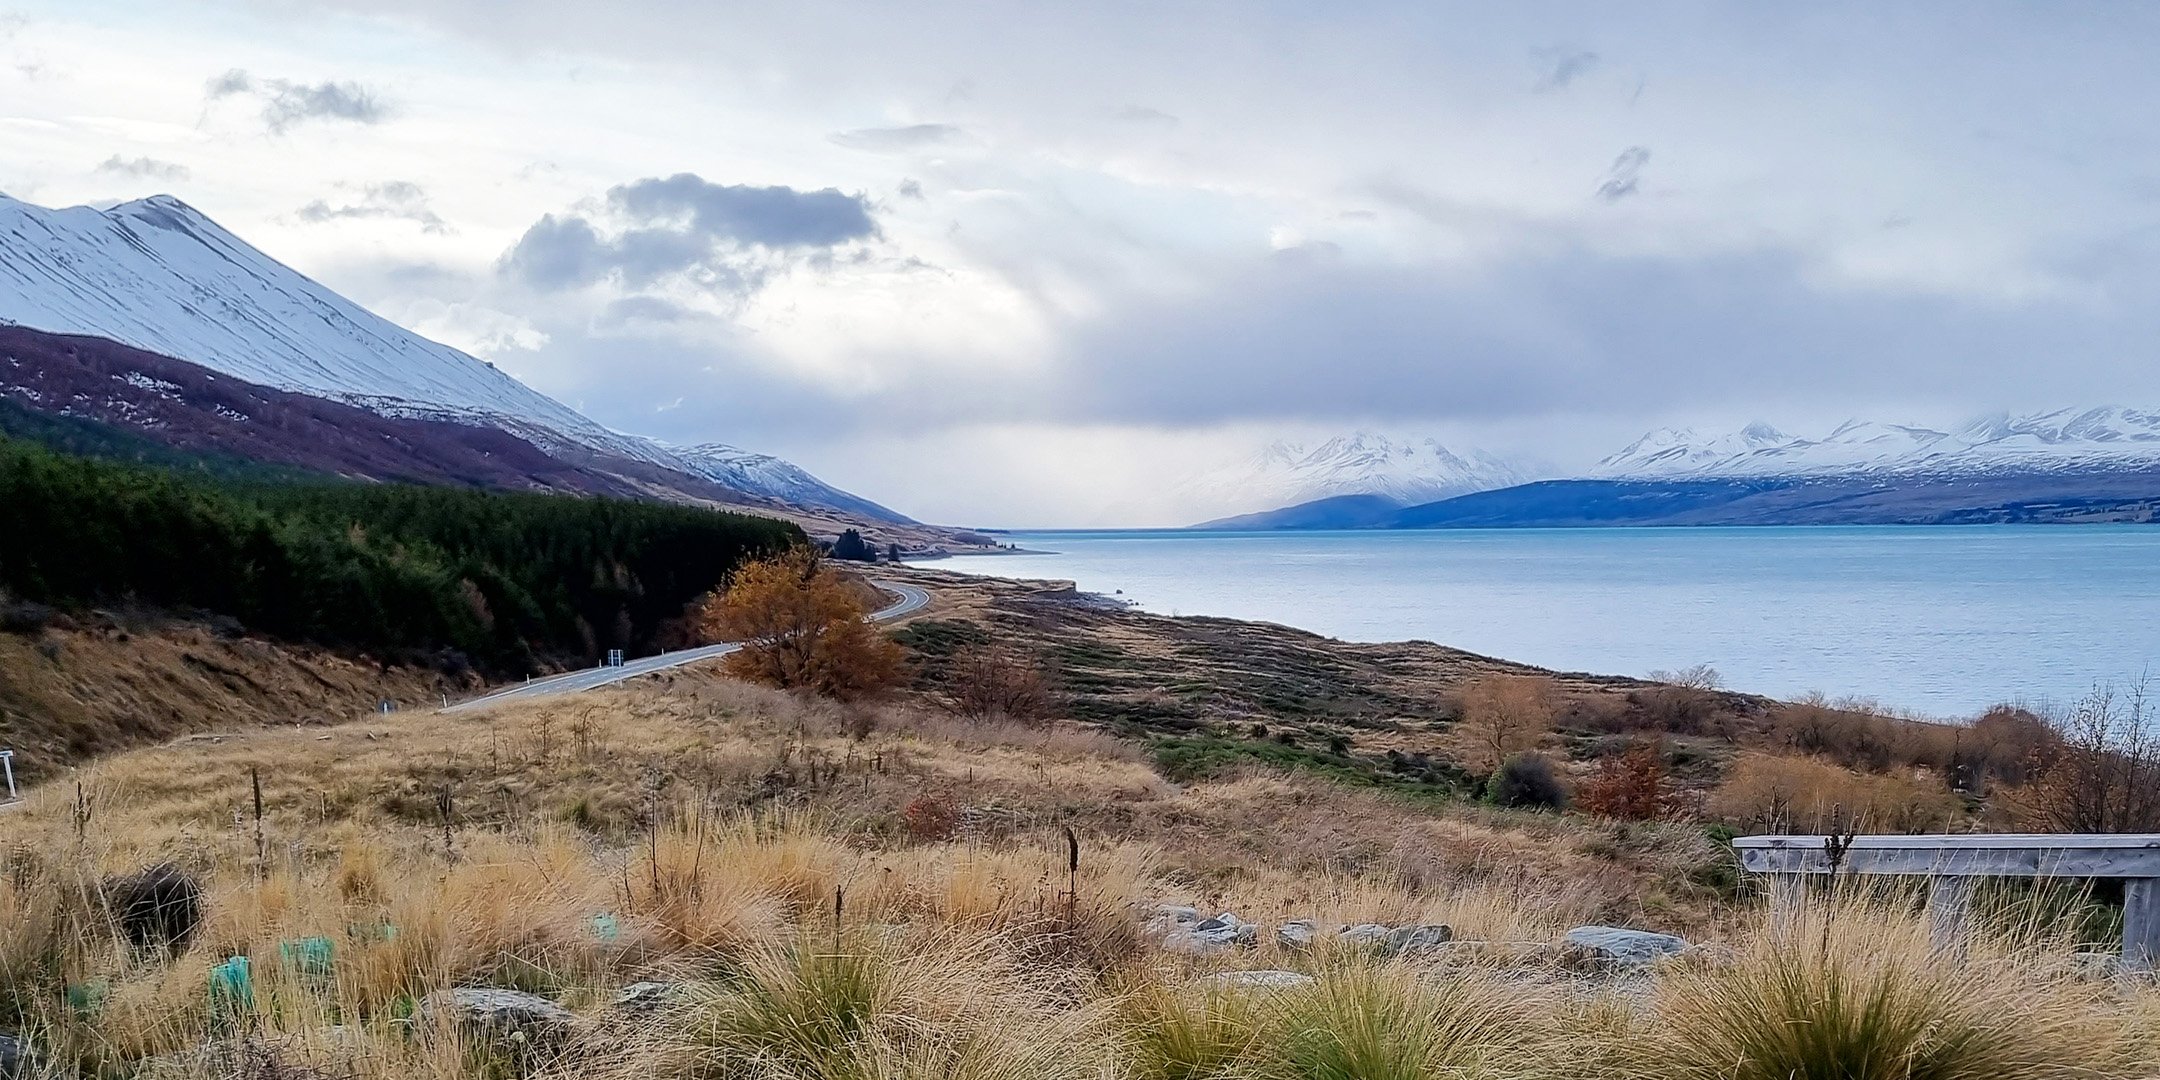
x,y
1417,938
1296,934
1625,948
1371,934
497,1014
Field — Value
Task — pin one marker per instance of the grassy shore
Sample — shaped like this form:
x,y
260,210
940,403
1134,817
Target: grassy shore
x,y
838,893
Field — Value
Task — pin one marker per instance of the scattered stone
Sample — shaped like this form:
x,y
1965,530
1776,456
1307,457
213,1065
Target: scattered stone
x,y
642,996
498,1014
158,906
1296,934
1225,921
1372,934
1415,938
1630,949
1258,980
1213,935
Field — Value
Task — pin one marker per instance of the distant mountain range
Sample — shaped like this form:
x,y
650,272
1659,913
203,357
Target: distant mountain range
x,y
2096,464
2063,441
172,286
1379,471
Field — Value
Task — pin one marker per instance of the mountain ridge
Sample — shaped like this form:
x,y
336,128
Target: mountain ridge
x,y
158,275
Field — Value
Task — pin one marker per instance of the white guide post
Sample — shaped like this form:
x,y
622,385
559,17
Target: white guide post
x,y
7,765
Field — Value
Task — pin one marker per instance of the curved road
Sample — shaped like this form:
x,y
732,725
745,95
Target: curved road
x,y
911,600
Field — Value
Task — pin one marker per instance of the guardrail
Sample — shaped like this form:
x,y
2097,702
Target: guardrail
x,y
1951,863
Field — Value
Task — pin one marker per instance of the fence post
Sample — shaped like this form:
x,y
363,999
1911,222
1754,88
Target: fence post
x,y
2141,924
7,764
1949,899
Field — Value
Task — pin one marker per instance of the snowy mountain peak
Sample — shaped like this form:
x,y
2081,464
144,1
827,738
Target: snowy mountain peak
x,y
2056,441
1407,470
161,276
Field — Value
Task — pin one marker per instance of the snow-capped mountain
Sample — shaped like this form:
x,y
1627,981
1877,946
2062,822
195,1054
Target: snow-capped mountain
x,y
745,470
2066,440
1406,471
160,276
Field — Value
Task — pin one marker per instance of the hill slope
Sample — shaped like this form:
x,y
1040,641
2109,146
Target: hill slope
x,y
160,276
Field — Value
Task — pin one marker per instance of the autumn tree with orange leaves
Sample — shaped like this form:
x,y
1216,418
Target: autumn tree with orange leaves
x,y
802,627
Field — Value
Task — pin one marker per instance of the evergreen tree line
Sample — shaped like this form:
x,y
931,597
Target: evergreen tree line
x,y
505,579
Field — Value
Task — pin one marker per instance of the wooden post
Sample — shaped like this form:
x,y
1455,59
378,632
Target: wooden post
x,y
2141,924
1788,898
1949,899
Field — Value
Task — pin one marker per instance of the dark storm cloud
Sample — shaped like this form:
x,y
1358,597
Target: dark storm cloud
x,y
1623,178
1576,330
721,237
893,140
1562,67
396,199
143,168
286,103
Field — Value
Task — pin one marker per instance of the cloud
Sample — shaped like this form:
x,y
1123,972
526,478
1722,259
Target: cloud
x,y
898,140
1622,178
910,189
395,199
1143,115
1562,67
719,238
143,168
286,103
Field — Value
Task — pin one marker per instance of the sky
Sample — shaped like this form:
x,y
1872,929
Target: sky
x,y
1035,264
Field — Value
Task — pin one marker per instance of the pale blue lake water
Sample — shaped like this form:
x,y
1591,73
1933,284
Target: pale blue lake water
x,y
1937,620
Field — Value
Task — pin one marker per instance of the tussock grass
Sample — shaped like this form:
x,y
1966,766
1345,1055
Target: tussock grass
x,y
744,847
1856,990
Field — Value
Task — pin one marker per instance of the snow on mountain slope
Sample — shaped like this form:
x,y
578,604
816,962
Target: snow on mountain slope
x,y
2066,440
1406,470
768,475
158,275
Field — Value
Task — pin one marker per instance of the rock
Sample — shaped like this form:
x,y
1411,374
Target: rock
x,y
1366,934
1224,921
1213,935
1193,943
161,905
1413,938
497,1014
1258,980
14,1055
1624,948
1297,934
642,996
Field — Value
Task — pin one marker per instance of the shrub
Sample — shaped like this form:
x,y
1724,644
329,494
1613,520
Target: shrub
x,y
1506,715
802,627
1387,1024
1629,786
1809,795
931,817
2101,771
986,682
1527,781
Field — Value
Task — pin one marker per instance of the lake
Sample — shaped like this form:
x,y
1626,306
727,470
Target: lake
x,y
1938,620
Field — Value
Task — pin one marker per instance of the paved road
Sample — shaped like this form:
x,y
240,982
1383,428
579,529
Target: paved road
x,y
911,600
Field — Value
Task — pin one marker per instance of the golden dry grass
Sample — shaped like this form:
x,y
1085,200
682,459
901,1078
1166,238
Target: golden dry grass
x,y
748,848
